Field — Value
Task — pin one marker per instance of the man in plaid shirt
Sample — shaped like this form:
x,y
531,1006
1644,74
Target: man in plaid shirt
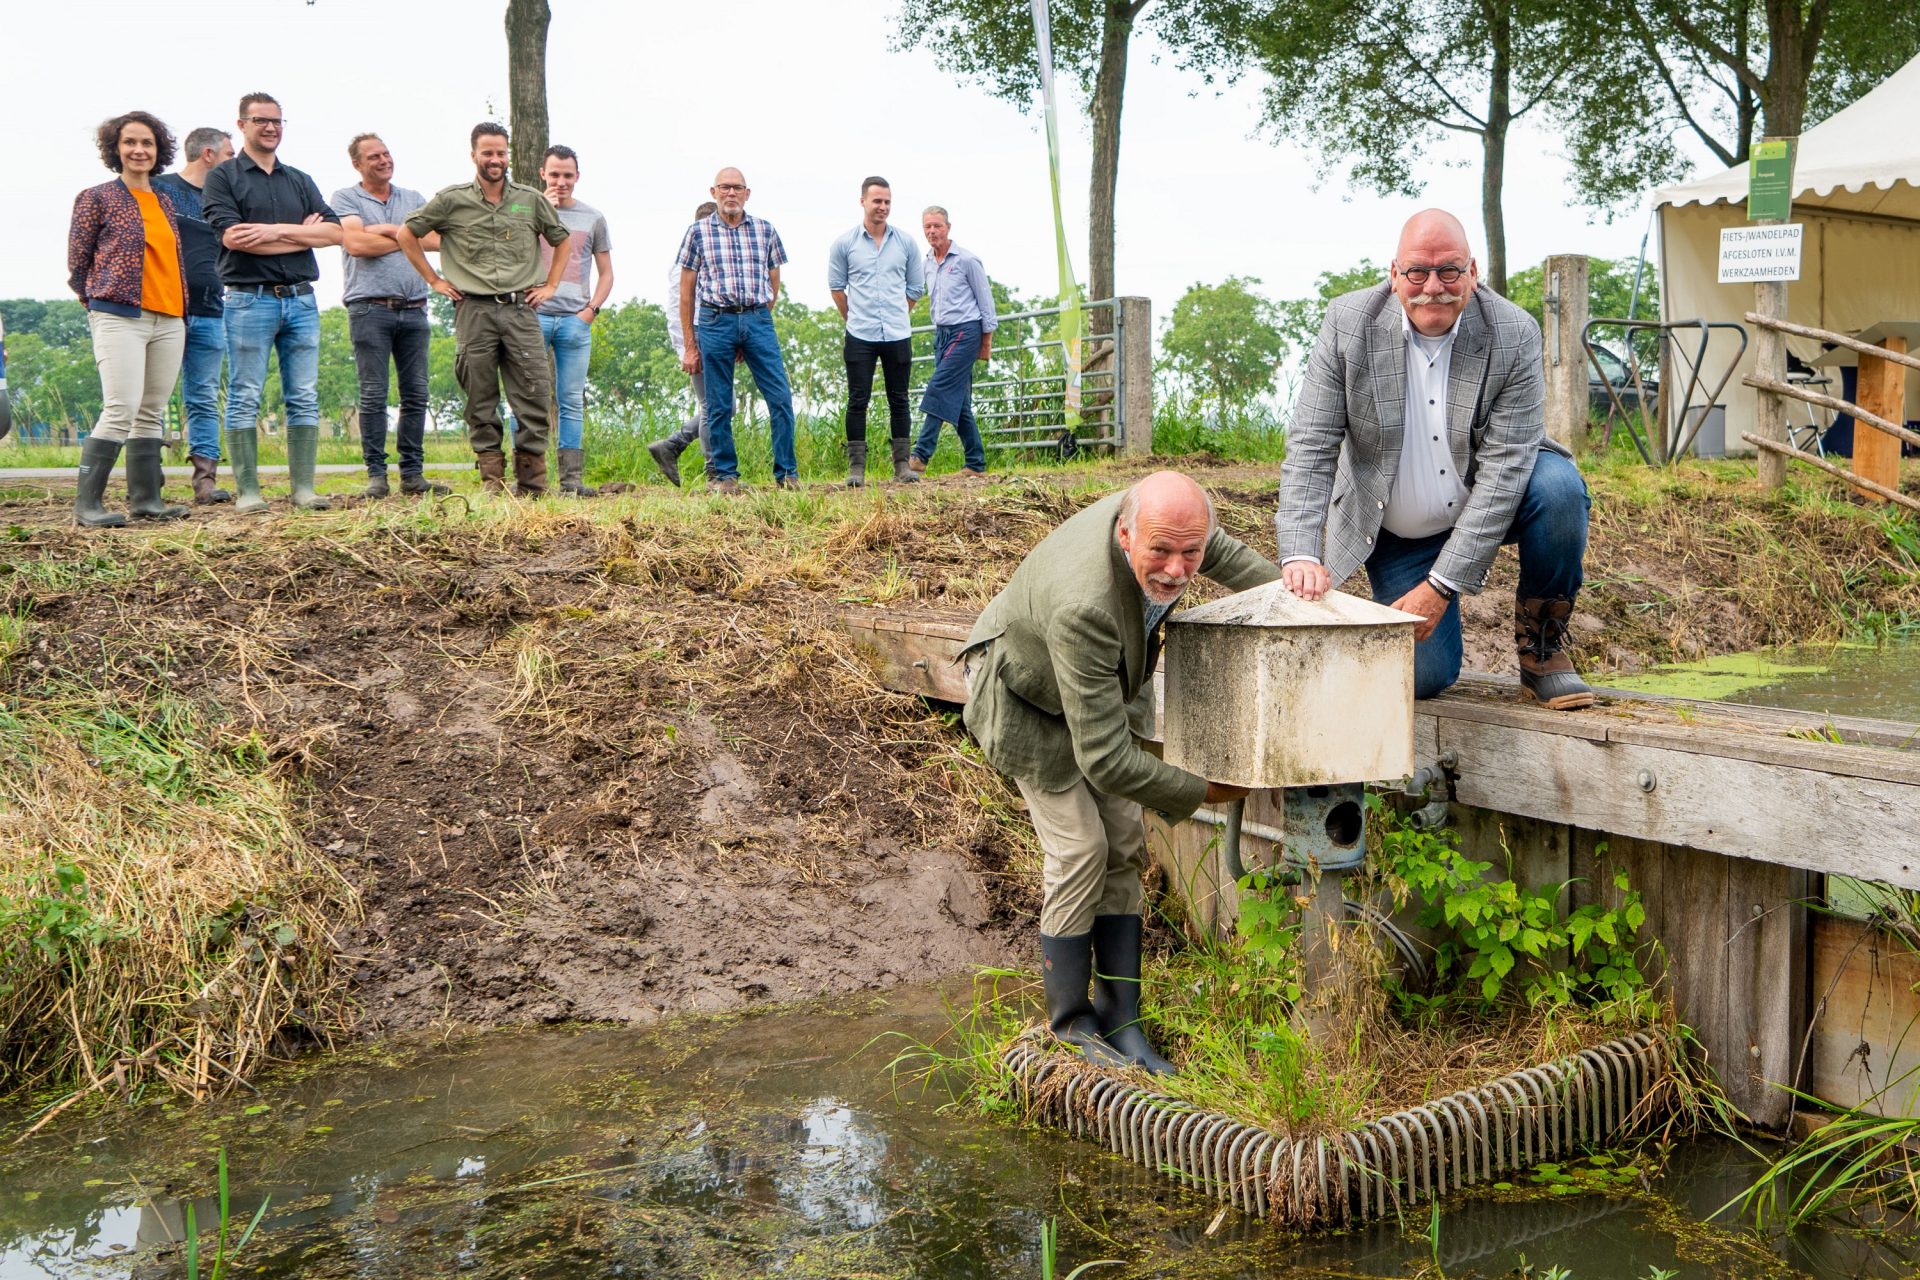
x,y
729,279
1418,446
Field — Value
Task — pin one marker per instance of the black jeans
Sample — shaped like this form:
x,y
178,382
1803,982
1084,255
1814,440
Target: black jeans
x,y
381,334
896,363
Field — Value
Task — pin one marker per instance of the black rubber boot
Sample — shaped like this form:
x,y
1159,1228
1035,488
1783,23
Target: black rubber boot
x,y
666,456
1116,991
856,464
1066,968
144,480
1547,675
97,457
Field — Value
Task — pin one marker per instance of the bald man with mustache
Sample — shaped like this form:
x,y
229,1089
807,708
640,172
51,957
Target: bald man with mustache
x,y
1418,447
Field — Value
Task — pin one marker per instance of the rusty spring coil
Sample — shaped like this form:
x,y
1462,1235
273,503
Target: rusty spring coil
x,y
1472,1136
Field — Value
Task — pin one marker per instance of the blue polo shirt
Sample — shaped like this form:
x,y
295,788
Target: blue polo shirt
x,y
878,280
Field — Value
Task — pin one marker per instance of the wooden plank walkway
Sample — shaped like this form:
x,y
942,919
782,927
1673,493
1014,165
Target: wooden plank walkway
x,y
1761,783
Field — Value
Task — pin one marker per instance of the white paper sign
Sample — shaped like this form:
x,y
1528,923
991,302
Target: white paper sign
x,y
1751,254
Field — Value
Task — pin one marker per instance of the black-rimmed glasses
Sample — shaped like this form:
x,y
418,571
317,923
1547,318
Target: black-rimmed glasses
x,y
1448,274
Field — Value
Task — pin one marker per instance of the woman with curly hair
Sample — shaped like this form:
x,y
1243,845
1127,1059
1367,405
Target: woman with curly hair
x,y
124,262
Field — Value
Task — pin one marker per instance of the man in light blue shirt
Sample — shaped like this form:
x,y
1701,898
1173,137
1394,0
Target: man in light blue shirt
x,y
961,306
875,274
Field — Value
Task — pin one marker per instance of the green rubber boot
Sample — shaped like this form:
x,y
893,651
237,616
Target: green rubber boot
x,y
144,482
303,442
97,457
243,449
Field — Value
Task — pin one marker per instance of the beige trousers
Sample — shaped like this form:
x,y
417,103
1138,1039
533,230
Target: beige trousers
x,y
1094,847
139,361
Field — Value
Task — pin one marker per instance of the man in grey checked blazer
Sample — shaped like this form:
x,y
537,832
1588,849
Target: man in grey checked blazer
x,y
1418,446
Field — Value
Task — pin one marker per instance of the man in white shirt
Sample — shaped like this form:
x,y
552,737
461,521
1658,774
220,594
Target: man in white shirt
x,y
874,273
666,453
1418,446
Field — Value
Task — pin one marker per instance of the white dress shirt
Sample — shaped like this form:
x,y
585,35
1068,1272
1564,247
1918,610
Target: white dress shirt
x,y
1428,492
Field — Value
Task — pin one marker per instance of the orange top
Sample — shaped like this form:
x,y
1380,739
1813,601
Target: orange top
x,y
160,283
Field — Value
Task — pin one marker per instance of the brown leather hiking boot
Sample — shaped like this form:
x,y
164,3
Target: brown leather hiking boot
x,y
493,470
205,471
1546,672
530,473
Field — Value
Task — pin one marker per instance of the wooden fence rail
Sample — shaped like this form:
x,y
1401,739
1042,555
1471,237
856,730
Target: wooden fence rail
x,y
1876,455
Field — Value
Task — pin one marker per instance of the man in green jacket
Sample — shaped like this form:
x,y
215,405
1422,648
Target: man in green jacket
x,y
1059,680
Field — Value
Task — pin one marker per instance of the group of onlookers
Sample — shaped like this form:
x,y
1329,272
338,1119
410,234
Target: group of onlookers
x,y
214,264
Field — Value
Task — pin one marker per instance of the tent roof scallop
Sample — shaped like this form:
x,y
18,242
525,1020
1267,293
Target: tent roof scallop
x,y
1864,159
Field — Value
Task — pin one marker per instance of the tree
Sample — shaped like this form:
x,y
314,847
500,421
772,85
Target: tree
x,y
1724,72
812,343
1226,340
527,85
54,383
992,43
61,322
1299,319
1609,291
633,366
1380,83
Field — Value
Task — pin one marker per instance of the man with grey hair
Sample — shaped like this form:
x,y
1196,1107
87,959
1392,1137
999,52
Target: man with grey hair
x,y
961,306
206,350
1418,446
1059,693
386,304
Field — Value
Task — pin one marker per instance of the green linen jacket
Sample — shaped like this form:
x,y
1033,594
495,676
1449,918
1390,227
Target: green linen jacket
x,y
1067,680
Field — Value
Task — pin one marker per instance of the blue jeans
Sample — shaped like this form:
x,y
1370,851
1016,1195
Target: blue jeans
x,y
1550,529
569,345
258,324
948,396
722,335
200,383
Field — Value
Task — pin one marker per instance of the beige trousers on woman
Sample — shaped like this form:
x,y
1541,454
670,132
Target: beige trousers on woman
x,y
139,362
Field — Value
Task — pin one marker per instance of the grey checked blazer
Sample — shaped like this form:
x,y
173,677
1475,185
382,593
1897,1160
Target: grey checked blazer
x,y
1343,445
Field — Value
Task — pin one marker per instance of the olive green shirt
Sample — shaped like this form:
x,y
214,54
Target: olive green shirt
x,y
490,248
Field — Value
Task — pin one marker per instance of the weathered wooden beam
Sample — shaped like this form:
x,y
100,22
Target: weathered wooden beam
x,y
1882,392
1796,817
1857,481
1837,339
1834,403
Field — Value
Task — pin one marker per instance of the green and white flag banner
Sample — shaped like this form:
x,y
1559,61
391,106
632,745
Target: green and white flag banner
x,y
1070,316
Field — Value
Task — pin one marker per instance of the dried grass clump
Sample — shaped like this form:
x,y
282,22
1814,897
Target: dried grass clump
x,y
161,919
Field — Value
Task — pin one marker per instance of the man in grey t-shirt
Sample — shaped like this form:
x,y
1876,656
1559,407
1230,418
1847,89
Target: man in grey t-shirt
x,y
566,319
386,314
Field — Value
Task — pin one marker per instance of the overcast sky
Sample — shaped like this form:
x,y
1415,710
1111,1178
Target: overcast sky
x,y
804,95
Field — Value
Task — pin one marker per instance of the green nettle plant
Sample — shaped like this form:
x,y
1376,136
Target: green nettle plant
x,y
1268,928
1497,937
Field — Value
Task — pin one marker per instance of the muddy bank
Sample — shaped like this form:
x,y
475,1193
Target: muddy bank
x,y
607,760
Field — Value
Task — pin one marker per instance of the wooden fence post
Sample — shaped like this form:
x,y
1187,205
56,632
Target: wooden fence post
x,y
1136,375
1563,359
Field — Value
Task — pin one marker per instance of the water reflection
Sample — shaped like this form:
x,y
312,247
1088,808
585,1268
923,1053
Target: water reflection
x,y
764,1145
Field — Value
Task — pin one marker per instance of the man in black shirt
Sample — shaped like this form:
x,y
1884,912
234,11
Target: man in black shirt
x,y
270,217
206,350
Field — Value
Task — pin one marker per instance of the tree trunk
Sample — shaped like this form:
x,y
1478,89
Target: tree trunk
x,y
1109,91
527,85
1493,167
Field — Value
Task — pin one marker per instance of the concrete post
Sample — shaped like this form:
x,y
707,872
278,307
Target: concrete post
x,y
1564,361
1136,375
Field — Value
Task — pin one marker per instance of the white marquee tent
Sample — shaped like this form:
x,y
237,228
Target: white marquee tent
x,y
1856,186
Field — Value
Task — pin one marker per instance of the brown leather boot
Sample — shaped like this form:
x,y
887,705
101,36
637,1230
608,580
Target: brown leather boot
x,y
530,473
1546,672
493,470
205,472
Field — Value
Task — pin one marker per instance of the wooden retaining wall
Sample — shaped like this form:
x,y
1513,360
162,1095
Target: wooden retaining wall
x,y
1725,818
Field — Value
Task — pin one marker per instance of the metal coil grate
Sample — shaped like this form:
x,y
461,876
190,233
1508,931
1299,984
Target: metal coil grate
x,y
1593,1097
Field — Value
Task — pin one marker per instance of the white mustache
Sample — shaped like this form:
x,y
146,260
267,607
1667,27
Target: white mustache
x,y
1436,299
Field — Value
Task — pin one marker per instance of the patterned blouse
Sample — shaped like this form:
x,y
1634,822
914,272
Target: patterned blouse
x,y
107,248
